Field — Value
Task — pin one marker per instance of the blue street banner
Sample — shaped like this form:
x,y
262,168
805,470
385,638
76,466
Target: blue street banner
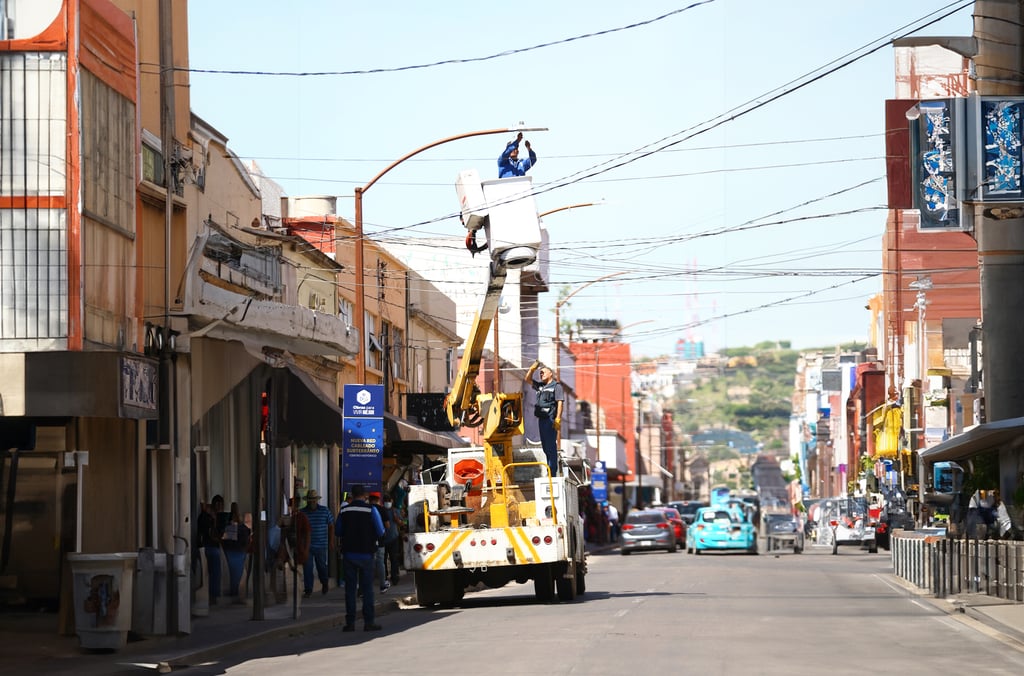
x,y
362,452
599,482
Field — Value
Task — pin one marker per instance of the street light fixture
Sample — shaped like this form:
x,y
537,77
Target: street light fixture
x,y
360,319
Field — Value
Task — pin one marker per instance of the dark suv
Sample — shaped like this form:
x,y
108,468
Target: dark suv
x,y
687,509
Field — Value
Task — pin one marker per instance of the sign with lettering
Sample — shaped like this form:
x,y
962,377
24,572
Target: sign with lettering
x,y
599,482
362,453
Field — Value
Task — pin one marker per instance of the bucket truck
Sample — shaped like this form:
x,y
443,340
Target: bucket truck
x,y
496,515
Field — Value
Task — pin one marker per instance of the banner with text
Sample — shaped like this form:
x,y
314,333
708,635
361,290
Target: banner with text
x,y
362,453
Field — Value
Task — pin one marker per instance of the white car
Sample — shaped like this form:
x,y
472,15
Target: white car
x,y
845,521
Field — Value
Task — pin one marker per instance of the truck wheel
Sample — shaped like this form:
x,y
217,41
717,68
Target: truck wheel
x,y
566,588
543,585
581,583
873,548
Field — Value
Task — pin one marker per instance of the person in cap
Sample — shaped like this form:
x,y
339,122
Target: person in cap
x,y
548,409
359,528
321,524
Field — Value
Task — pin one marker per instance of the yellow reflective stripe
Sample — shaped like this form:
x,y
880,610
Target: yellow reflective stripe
x,y
447,547
513,534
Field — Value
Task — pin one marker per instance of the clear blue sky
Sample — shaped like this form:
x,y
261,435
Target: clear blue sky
x,y
704,221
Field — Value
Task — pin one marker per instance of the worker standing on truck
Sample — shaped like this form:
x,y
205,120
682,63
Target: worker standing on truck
x,y
548,409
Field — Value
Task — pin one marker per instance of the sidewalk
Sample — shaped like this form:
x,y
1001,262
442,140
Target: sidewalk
x,y
1000,615
29,642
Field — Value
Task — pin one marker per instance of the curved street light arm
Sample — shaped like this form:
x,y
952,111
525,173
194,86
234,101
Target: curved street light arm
x,y
448,139
360,304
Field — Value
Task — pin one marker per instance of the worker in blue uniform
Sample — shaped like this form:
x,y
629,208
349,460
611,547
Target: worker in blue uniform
x,y
509,163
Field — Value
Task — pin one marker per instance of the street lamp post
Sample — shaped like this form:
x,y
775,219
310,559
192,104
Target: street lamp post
x,y
360,319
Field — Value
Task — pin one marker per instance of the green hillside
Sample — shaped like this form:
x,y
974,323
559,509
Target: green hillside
x,y
746,388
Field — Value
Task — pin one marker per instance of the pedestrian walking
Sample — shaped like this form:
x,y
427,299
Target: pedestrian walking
x,y
358,528
235,541
209,541
392,540
321,540
378,559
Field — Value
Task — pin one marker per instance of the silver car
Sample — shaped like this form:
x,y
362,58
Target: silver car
x,y
647,529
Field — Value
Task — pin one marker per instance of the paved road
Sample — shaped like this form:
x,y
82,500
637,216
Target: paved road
x,y
666,613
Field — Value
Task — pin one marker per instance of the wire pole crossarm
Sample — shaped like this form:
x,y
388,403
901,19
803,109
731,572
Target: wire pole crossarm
x,y
360,304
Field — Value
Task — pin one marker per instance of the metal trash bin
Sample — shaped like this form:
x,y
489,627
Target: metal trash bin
x,y
103,585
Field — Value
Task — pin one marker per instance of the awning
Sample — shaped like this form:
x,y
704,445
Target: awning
x,y
307,414
987,437
402,435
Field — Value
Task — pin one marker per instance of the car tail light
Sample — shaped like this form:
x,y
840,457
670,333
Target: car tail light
x,y
535,539
548,540
700,526
627,526
417,548
833,523
663,526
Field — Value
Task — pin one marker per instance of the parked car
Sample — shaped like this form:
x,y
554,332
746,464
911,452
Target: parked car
x,y
647,529
783,531
715,528
687,508
679,526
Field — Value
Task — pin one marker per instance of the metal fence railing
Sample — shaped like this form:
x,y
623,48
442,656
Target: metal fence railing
x,y
959,566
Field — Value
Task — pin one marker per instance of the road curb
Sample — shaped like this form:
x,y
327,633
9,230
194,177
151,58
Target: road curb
x,y
196,656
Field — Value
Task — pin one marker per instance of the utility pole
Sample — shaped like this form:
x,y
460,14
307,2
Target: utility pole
x,y
999,70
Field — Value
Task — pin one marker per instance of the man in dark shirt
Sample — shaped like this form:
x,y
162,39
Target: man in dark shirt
x,y
550,399
358,528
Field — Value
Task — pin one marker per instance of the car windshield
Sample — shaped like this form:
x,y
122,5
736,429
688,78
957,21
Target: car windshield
x,y
717,515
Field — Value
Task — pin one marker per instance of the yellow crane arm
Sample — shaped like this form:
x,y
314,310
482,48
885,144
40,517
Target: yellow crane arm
x,y
461,403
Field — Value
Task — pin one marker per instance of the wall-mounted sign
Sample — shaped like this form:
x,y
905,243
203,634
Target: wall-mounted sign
x,y
936,150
